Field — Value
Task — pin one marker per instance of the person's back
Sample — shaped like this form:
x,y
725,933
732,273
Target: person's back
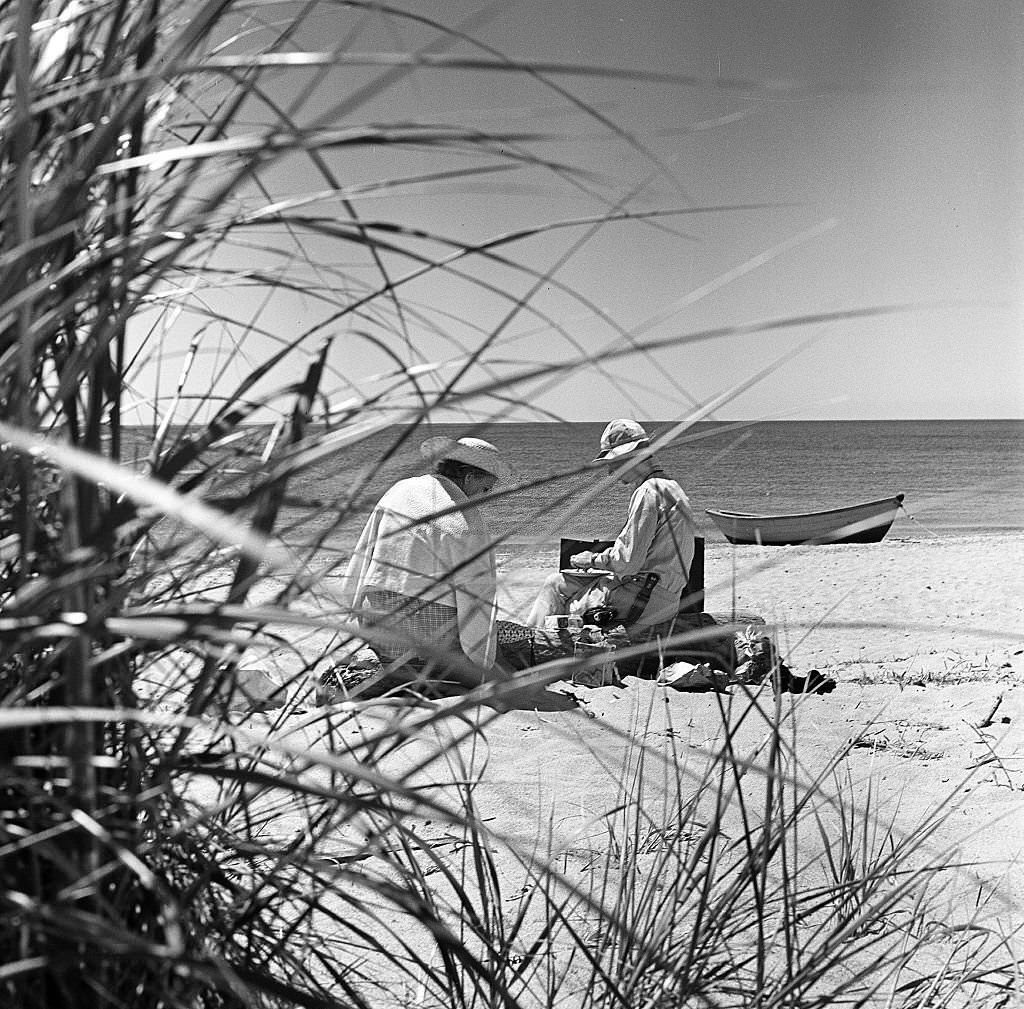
x,y
420,538
657,538
423,570
651,557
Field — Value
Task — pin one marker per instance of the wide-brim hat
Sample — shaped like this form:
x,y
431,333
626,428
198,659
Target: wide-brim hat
x,y
471,451
621,439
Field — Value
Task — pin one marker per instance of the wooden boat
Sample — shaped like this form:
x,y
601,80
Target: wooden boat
x,y
860,523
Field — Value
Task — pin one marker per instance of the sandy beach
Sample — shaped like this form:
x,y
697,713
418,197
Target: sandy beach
x,y
925,640
896,608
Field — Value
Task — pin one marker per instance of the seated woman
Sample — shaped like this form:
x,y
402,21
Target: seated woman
x,y
650,558
421,580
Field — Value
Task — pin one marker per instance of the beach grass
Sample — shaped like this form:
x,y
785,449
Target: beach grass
x,y
173,831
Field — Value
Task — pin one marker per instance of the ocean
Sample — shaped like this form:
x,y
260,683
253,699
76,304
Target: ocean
x,y
959,477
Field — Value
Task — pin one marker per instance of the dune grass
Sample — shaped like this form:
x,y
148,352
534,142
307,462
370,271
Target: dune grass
x,y
174,176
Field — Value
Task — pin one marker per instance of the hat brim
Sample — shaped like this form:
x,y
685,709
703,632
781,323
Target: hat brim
x,y
623,451
441,447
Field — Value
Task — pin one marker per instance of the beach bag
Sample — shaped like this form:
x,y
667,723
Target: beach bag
x,y
626,597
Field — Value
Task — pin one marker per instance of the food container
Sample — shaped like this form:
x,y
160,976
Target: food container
x,y
558,622
604,675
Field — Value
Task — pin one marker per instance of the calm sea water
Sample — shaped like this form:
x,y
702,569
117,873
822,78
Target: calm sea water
x,y
959,477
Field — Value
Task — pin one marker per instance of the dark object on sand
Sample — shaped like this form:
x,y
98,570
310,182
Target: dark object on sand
x,y
600,616
860,523
784,681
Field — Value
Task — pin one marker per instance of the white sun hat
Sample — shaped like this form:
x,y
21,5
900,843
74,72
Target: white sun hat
x,y
472,451
621,438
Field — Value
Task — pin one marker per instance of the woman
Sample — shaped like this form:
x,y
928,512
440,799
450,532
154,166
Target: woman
x,y
422,579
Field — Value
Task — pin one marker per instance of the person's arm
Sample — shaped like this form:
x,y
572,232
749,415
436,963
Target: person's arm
x,y
354,580
627,554
468,556
476,591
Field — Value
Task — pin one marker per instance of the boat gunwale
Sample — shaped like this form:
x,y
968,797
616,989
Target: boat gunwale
x,y
896,500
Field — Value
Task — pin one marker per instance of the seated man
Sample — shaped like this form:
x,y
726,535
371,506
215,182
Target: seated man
x,y
649,560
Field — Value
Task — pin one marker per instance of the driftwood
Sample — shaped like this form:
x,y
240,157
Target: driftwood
x,y
988,720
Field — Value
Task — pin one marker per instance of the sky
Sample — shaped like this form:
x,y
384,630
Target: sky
x,y
901,134
866,160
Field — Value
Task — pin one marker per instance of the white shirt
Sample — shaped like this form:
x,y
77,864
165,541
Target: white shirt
x,y
425,539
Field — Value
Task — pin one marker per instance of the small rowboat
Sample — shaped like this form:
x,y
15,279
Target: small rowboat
x,y
859,523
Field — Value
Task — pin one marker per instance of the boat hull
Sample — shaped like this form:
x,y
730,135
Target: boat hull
x,y
867,522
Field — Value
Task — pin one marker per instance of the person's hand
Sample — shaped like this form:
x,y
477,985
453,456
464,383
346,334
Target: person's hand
x,y
582,560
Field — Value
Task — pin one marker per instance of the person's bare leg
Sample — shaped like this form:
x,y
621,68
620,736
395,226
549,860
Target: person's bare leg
x,y
552,599
557,596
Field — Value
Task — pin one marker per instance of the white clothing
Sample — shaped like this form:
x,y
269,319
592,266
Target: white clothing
x,y
425,539
658,536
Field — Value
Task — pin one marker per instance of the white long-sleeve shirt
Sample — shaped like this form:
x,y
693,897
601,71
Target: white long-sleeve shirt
x,y
406,546
658,536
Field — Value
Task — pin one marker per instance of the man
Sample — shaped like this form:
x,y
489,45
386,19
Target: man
x,y
650,558
422,579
